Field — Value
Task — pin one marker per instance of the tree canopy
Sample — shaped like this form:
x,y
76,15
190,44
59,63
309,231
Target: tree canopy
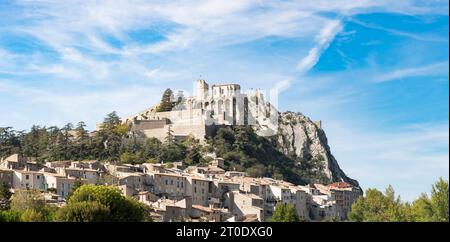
x,y
166,103
285,213
102,203
376,206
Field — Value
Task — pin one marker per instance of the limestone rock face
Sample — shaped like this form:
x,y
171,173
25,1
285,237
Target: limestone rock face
x,y
298,134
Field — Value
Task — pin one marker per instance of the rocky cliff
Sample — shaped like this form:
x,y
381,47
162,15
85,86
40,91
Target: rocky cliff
x,y
299,135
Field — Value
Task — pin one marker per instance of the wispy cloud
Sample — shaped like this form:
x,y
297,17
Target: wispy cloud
x,y
322,41
434,69
421,37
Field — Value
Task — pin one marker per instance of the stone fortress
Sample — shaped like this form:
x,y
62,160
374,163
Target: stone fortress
x,y
210,108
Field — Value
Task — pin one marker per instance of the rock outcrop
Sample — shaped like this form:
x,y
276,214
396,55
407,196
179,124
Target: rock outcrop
x,y
300,135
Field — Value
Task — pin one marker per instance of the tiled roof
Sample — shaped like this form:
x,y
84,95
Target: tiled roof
x,y
339,185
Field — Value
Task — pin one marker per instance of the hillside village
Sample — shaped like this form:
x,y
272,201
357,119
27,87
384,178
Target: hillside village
x,y
207,193
220,155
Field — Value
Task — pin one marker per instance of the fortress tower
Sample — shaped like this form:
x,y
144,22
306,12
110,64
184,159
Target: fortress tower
x,y
202,89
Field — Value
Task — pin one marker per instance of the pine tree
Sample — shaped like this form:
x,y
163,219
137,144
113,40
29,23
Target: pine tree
x,y
169,136
166,103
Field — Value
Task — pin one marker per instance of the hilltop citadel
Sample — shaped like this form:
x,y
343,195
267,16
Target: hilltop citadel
x,y
209,109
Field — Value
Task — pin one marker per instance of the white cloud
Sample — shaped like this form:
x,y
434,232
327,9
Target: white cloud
x,y
420,37
310,60
434,69
322,39
70,26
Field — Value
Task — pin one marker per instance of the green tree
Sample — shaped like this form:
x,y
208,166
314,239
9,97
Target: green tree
x,y
193,150
258,170
285,213
169,139
111,120
9,141
80,130
10,216
151,148
121,208
378,207
23,200
109,139
77,184
85,211
108,179
5,196
172,153
82,144
30,215
35,142
439,201
128,157
166,103
421,210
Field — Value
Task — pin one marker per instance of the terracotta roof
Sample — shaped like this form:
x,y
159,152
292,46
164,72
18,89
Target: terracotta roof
x,y
339,185
250,218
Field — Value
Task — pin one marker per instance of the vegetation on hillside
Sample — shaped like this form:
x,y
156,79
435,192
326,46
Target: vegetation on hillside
x,y
241,148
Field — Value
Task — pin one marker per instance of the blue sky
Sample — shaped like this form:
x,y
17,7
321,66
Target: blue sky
x,y
375,72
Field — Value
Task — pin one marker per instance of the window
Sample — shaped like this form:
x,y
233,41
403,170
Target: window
x,y
171,182
195,189
181,184
38,177
27,177
167,182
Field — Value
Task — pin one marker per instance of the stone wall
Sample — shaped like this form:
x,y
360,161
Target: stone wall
x,y
149,124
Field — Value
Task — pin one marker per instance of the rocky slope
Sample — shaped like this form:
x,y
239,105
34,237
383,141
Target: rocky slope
x,y
298,134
